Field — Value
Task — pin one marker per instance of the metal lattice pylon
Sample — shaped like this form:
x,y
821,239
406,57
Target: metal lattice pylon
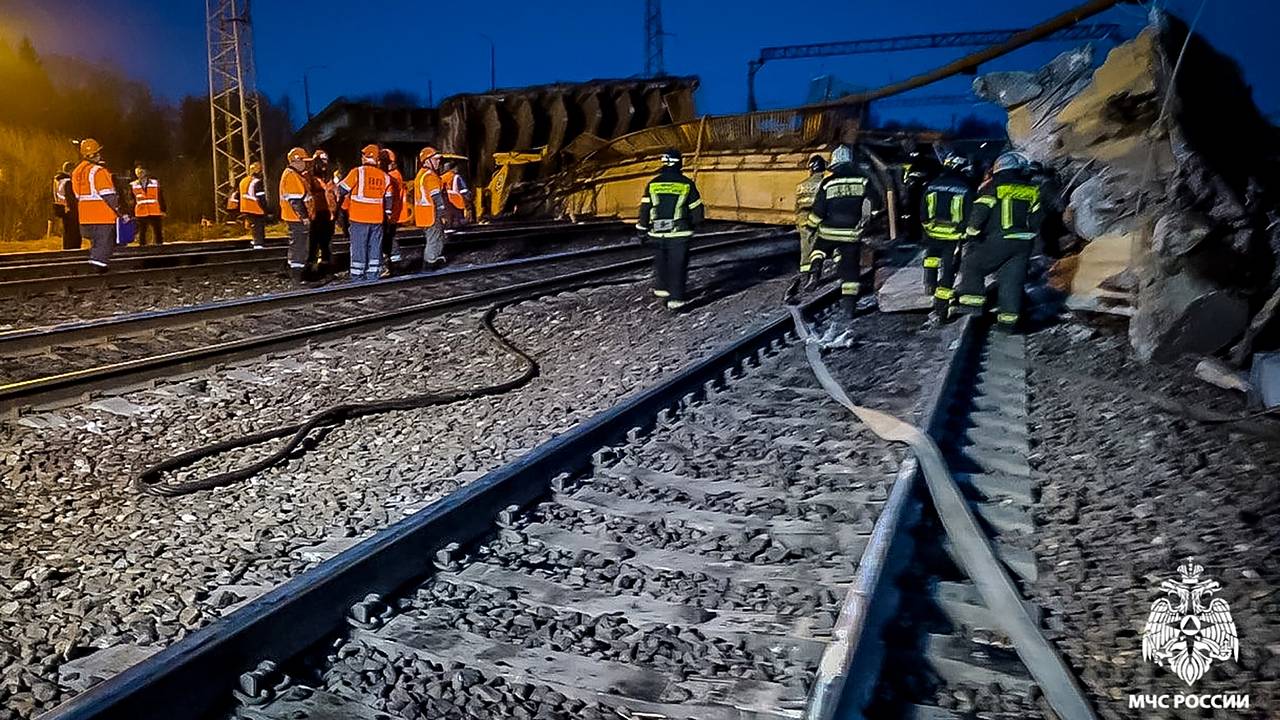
x,y
653,63
234,112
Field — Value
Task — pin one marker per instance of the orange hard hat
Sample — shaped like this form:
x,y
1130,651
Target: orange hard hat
x,y
370,152
427,153
90,147
297,154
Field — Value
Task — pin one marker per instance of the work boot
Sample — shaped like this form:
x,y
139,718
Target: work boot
x,y
295,274
933,322
676,305
792,294
815,275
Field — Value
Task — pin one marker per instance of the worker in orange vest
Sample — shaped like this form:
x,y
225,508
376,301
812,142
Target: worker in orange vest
x,y
148,206
253,204
295,209
390,245
98,204
458,194
368,188
429,206
324,192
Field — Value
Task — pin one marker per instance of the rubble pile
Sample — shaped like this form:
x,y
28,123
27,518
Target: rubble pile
x,y
1171,178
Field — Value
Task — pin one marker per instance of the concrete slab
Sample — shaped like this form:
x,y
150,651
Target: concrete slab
x,y
83,673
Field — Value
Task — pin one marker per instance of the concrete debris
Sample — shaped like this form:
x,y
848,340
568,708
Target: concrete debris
x,y
1216,372
43,421
120,406
903,291
83,673
1175,177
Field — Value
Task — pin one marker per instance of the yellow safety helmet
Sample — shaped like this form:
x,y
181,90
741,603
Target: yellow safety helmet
x,y
255,167
90,147
297,154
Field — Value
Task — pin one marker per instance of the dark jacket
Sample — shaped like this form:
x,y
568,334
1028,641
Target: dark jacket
x,y
846,201
1007,207
945,206
671,206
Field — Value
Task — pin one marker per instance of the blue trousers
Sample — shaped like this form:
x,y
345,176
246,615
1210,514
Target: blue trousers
x,y
366,250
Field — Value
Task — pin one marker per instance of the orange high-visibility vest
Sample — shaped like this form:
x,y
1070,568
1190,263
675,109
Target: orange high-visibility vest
x,y
399,208
146,199
427,186
368,185
452,182
249,204
92,184
293,186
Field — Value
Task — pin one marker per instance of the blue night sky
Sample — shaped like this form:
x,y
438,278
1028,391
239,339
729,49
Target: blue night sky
x,y
162,43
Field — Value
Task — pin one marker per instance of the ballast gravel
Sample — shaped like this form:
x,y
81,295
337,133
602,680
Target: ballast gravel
x,y
87,562
1130,491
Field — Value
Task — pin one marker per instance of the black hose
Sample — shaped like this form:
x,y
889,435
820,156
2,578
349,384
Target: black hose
x,y
149,480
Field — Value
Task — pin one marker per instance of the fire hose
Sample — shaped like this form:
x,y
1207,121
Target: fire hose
x,y
150,480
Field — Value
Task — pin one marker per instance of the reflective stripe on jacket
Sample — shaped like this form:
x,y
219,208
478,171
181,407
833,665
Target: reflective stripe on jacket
x,y
426,196
1008,206
671,206
92,185
844,203
146,198
294,188
945,207
252,195
369,187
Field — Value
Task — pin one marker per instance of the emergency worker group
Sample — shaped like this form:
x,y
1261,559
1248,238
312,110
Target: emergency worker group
x,y
970,228
373,203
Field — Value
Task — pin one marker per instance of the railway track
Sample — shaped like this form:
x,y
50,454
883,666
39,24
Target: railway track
x,y
71,360
25,274
727,544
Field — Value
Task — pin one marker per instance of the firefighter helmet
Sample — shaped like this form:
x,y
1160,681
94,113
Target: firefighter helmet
x,y
1010,161
955,161
90,147
817,163
841,155
671,157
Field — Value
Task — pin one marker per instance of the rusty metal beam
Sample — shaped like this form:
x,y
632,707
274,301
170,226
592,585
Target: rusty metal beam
x,y
970,63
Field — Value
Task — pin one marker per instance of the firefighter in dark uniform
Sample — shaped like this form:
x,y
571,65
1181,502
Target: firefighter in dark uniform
x,y
669,212
1002,234
846,202
805,192
945,206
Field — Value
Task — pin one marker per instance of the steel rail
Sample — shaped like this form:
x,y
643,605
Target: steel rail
x,y
494,230
26,339
857,651
195,676
32,279
14,396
